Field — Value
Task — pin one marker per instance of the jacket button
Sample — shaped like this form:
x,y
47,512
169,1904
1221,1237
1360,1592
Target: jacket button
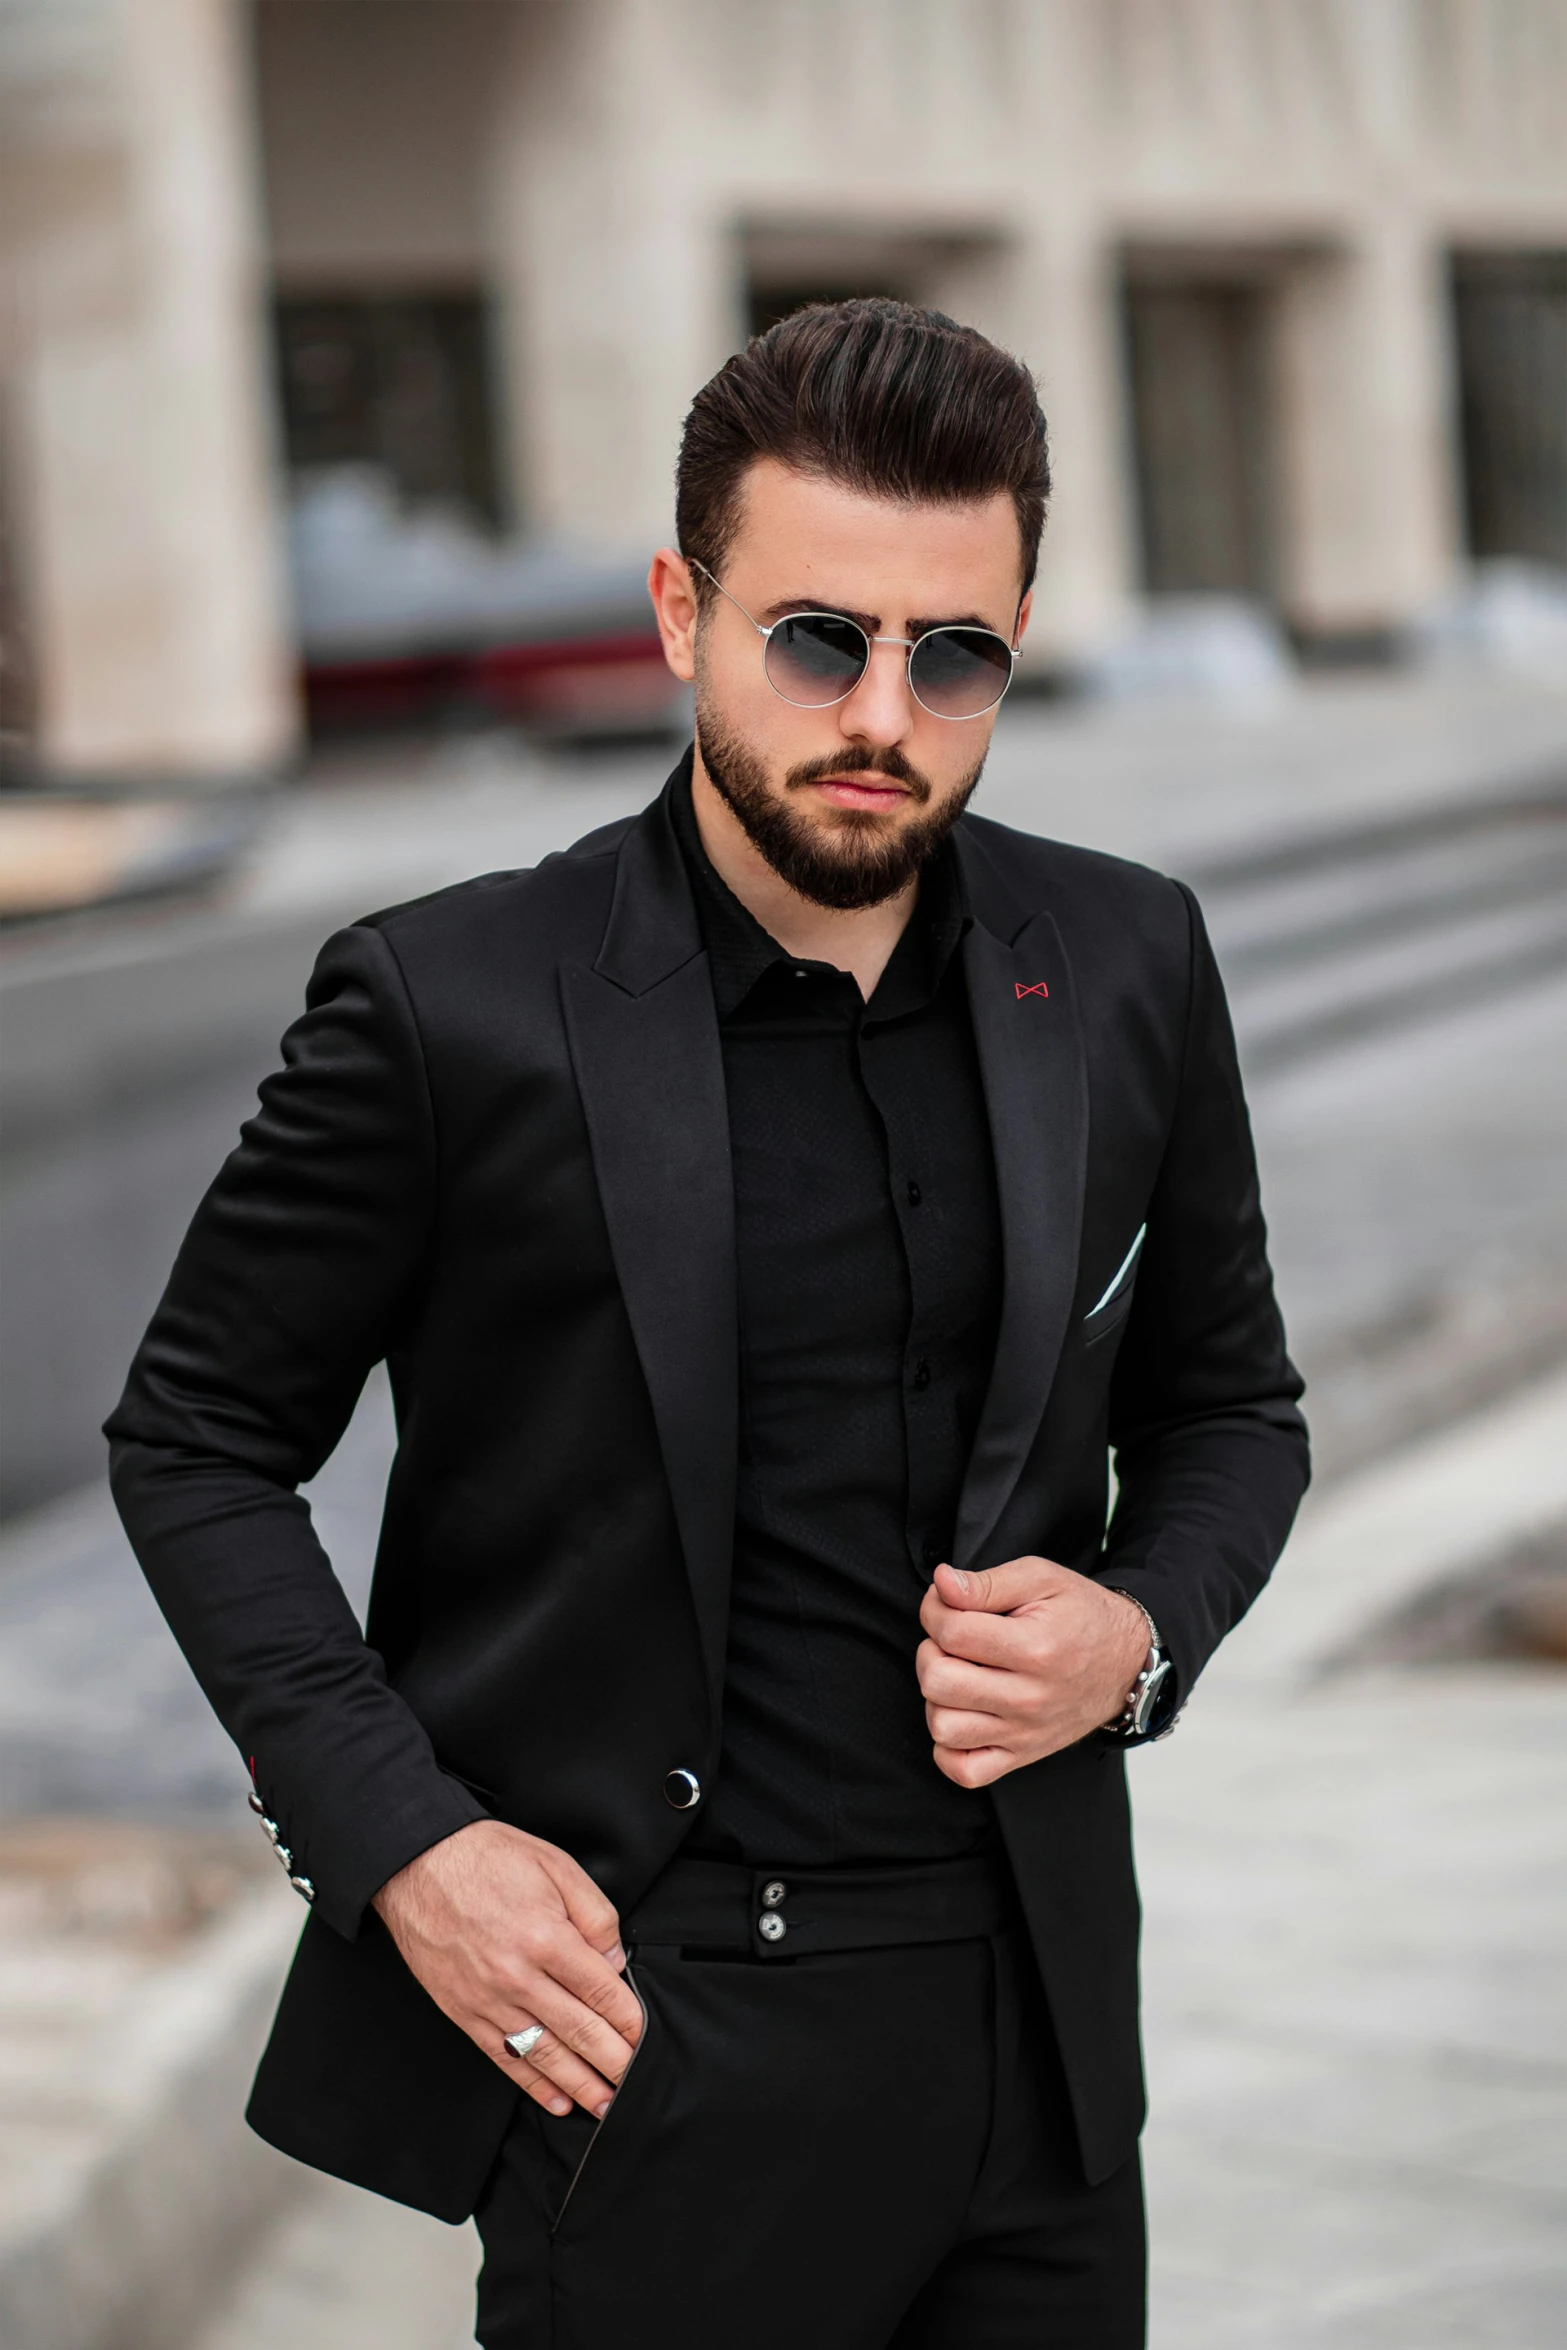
x,y
771,1926
775,1893
682,1790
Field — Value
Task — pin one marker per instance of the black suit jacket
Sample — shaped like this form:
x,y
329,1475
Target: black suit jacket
x,y
497,1157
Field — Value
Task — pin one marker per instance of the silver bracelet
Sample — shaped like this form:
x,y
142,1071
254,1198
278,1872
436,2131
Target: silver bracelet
x,y
1133,1719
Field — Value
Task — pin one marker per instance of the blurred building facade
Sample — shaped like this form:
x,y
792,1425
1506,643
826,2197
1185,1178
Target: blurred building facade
x,y
1292,273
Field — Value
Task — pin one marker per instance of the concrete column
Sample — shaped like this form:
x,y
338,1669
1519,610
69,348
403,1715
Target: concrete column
x,y
153,583
1066,326
1369,467
620,290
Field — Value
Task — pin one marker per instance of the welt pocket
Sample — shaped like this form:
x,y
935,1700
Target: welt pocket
x,y
1113,1305
1106,1318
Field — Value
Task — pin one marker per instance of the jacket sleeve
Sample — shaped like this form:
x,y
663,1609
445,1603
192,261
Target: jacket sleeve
x,y
1211,1451
303,1262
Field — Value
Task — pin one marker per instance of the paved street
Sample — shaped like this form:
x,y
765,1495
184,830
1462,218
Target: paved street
x,y
1354,2016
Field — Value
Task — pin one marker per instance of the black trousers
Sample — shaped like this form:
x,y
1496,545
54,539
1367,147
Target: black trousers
x,y
853,2150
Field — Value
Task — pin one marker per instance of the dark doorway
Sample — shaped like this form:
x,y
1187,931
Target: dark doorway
x,y
401,382
1197,357
1510,315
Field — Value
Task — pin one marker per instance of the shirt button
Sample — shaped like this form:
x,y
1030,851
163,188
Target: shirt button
x,y
922,1373
915,1194
774,1894
682,1790
771,1926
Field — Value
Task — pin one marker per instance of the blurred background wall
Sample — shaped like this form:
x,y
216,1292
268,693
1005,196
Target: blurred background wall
x,y
1293,274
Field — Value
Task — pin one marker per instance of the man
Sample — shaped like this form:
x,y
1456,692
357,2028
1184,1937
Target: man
x,y
772,1213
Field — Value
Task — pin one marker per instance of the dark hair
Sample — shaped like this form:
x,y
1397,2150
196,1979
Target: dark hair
x,y
899,402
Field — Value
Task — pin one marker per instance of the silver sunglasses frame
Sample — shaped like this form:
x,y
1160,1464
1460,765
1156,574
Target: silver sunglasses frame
x,y
913,644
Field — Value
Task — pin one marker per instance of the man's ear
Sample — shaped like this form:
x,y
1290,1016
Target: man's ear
x,y
1025,612
670,585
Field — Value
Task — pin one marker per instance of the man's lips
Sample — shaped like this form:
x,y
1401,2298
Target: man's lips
x,y
861,791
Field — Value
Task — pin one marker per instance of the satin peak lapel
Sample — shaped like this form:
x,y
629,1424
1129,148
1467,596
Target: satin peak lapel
x,y
645,1047
1030,1043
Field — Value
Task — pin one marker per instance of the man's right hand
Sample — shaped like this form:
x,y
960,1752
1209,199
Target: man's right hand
x,y
504,1931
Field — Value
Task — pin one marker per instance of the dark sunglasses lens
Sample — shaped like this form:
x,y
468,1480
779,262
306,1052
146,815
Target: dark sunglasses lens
x,y
813,659
960,672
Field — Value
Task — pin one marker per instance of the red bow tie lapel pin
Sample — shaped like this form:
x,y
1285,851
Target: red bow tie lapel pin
x,y
1038,988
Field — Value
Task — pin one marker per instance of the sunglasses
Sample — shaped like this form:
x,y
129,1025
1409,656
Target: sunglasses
x,y
814,659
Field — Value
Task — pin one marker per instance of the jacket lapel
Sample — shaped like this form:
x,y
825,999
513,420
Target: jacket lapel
x,y
1029,1038
645,1047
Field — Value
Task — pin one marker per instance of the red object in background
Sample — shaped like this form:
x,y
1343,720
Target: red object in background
x,y
341,696
611,684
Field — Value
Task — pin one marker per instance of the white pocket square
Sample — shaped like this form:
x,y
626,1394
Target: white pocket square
x,y
1120,1274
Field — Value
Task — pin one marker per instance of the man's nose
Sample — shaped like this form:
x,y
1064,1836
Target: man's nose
x,y
881,708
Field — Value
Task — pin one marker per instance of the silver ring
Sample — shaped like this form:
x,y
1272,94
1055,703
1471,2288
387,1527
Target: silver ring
x,y
522,2044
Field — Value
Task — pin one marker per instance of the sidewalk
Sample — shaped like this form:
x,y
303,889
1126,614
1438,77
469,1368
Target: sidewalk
x,y
1356,1902
131,2017
1356,1891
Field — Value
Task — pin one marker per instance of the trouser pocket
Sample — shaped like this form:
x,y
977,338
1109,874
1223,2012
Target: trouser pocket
x,y
617,2104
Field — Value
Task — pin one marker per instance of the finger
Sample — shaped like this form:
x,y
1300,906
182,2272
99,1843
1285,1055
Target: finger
x,y
974,1767
567,2078
584,2036
491,2037
949,1727
534,2083
995,1590
562,2070
983,1639
590,1911
518,2068
947,1680
591,1979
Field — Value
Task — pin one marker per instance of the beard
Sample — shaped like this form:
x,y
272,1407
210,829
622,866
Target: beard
x,y
860,859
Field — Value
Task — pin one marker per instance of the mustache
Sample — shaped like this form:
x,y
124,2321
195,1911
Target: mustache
x,y
860,759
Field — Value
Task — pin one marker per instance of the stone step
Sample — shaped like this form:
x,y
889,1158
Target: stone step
x,y
1309,917
130,2187
1392,982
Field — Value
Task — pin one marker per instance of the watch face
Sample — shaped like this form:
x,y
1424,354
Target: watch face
x,y
1148,1696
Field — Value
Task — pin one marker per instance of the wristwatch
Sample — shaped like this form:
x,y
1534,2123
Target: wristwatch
x,y
1138,1712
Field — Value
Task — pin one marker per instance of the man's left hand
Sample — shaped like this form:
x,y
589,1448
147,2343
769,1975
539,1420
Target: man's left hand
x,y
1021,1660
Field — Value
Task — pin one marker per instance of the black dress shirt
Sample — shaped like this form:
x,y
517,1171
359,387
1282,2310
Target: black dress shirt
x,y
869,1272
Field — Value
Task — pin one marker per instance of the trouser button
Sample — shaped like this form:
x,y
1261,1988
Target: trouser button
x,y
771,1926
775,1894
